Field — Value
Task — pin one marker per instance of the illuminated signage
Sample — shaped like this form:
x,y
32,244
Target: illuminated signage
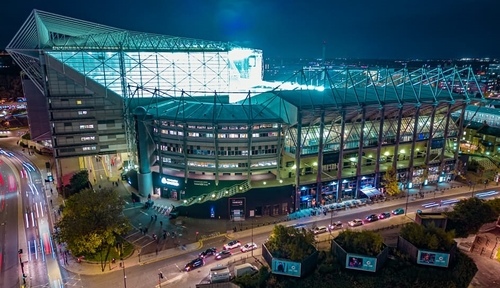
x,y
171,182
361,262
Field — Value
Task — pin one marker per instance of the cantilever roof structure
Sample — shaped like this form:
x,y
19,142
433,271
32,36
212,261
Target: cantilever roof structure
x,y
51,32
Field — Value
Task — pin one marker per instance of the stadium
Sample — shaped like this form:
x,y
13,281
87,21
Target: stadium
x,y
198,123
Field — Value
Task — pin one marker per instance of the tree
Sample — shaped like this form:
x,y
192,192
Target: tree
x,y
290,243
79,181
495,205
469,215
91,223
428,236
390,181
363,242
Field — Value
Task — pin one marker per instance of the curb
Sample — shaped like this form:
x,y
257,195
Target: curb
x,y
159,258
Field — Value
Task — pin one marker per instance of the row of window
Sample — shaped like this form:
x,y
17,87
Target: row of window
x,y
234,127
220,135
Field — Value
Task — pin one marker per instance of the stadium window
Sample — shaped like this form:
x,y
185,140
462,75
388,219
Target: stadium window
x,y
88,126
78,102
82,112
88,138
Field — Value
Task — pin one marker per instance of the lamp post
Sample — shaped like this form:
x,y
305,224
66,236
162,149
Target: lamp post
x,y
473,186
124,274
407,198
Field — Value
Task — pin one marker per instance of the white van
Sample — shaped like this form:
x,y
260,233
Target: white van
x,y
319,230
243,269
220,274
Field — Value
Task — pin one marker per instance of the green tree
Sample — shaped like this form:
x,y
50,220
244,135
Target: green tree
x,y
291,243
91,223
363,242
495,205
428,237
79,181
390,181
469,215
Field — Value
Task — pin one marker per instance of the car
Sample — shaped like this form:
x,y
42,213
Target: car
x,y
335,225
208,252
198,262
319,230
398,211
223,254
249,247
371,218
355,222
232,244
384,215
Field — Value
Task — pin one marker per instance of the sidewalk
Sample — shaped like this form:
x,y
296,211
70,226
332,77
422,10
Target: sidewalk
x,y
195,229
260,225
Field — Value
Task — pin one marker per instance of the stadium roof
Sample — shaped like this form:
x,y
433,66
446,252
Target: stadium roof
x,y
193,111
44,30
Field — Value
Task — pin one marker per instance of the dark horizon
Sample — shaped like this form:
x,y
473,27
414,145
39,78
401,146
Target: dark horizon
x,y
385,29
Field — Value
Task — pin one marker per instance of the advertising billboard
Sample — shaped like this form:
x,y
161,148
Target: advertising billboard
x,y
285,267
361,262
433,258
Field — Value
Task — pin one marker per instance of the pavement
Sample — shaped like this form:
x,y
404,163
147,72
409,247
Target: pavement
x,y
186,241
186,234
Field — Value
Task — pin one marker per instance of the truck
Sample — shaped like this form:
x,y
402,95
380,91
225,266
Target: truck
x,y
243,269
220,274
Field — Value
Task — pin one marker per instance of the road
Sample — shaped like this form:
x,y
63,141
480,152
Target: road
x,y
147,275
9,260
33,219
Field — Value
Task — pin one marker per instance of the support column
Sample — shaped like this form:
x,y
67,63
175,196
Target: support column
x,y
184,152
298,149
431,132
398,137
360,152
414,140
460,130
144,176
216,144
249,158
379,147
445,138
320,156
341,156
278,153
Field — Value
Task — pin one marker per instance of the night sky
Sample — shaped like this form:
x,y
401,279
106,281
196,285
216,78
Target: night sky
x,y
380,29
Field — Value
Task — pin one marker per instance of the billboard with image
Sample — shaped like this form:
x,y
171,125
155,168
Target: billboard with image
x,y
285,267
433,258
361,262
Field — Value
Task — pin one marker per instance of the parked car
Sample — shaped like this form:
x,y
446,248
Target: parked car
x,y
355,222
398,211
319,230
223,254
384,215
232,244
335,225
248,247
208,252
198,262
371,218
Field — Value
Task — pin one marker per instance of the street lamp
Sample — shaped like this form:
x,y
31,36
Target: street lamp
x,y
252,237
124,274
473,186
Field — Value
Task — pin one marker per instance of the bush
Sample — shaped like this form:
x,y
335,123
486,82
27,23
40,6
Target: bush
x,y
428,237
364,242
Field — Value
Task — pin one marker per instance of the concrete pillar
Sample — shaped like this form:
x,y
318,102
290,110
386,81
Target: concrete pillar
x,y
298,150
320,155
360,152
341,155
379,147
145,178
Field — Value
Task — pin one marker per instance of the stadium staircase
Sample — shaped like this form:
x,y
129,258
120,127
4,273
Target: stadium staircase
x,y
486,163
218,194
